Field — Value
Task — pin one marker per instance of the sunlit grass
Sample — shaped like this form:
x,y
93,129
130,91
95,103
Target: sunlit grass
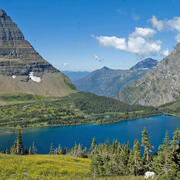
x,y
44,167
49,167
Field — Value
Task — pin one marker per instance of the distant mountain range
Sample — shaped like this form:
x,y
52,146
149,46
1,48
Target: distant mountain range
x,y
75,75
108,82
159,86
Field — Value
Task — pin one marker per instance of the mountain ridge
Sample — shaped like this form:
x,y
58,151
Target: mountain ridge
x,y
108,82
75,75
159,86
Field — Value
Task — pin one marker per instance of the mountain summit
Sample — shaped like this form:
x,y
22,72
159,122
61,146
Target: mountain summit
x,y
147,63
22,69
108,82
159,86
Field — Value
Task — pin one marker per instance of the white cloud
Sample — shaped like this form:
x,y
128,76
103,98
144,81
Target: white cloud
x,y
97,58
178,37
139,42
112,41
143,47
165,53
143,32
65,64
159,25
170,24
174,23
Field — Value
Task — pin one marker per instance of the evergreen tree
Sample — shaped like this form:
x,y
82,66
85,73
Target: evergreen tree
x,y
51,149
59,150
175,141
175,154
147,149
19,144
107,142
75,149
135,161
166,152
93,144
65,150
13,148
34,149
161,162
30,151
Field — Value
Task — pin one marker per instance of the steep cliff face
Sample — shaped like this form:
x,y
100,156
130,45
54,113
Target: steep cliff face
x,y
22,69
159,86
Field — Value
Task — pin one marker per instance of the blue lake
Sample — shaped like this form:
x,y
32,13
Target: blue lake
x,y
123,131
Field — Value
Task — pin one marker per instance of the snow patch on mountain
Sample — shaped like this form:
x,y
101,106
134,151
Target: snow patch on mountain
x,y
34,78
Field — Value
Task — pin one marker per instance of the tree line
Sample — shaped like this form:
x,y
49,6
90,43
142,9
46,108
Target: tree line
x,y
118,159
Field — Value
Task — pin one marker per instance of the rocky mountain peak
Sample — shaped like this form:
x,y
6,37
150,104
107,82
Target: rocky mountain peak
x,y
2,13
105,68
159,86
17,56
147,63
23,69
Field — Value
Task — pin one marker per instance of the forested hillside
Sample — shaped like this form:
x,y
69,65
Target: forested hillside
x,y
78,108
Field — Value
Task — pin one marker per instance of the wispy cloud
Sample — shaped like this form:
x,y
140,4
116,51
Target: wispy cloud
x,y
64,65
97,58
159,25
167,24
135,17
120,11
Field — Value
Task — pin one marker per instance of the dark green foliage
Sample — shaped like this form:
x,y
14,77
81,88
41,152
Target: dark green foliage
x,y
78,151
118,159
167,161
91,103
135,162
18,148
93,145
51,149
110,160
77,108
58,150
34,149
147,150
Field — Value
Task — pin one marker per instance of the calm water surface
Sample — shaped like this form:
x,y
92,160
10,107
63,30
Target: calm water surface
x,y
123,131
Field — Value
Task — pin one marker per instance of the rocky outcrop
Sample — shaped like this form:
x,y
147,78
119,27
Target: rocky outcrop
x,y
159,86
18,59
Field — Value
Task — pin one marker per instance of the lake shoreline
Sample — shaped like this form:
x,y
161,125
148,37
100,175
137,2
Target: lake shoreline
x,y
11,130
67,136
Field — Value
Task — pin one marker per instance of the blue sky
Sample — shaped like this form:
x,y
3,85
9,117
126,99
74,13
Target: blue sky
x,y
89,34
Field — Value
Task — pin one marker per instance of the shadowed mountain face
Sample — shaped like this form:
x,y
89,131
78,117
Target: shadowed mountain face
x,y
159,86
22,69
108,82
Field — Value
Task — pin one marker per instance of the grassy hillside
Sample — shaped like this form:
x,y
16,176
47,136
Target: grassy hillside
x,y
78,108
43,167
48,167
